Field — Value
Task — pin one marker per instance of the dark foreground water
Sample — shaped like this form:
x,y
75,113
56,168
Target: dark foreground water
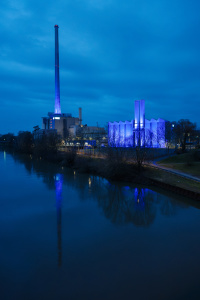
x,y
70,236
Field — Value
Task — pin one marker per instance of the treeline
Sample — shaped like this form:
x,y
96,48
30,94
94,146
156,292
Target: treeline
x,y
24,142
114,165
182,132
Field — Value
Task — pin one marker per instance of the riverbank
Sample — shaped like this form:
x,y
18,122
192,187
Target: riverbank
x,y
129,172
120,169
174,182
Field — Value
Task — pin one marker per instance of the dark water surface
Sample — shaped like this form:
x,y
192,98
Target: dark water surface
x,y
69,236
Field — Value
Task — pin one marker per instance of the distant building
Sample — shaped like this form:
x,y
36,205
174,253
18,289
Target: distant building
x,y
91,132
40,133
60,122
87,136
138,132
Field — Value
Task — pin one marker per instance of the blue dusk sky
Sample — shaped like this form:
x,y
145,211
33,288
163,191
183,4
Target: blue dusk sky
x,y
112,52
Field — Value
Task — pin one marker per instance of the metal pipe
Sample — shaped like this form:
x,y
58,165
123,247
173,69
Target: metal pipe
x,y
80,115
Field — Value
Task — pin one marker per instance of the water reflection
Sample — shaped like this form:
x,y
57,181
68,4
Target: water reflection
x,y
83,223
133,205
139,199
58,186
120,204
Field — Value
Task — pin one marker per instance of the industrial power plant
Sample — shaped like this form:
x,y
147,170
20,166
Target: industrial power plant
x,y
138,132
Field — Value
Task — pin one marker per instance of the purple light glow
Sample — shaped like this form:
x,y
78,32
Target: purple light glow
x,y
138,132
58,186
57,80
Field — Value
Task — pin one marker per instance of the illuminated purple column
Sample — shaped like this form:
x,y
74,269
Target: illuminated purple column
x,y
137,123
137,114
57,80
142,123
142,114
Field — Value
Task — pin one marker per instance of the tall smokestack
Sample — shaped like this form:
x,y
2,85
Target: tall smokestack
x,y
80,115
57,109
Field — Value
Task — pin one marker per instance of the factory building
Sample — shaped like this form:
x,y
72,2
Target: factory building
x,y
61,122
139,132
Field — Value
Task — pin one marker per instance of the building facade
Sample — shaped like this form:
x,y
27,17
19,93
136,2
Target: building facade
x,y
139,132
60,122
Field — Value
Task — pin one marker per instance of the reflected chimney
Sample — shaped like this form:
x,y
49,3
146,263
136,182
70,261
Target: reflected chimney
x,y
58,185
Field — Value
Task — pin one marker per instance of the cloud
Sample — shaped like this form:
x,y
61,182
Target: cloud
x,y
111,53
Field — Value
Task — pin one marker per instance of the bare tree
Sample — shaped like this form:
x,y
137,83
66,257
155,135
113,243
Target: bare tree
x,y
184,130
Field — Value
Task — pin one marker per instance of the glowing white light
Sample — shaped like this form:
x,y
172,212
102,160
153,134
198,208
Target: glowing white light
x,y
56,118
90,182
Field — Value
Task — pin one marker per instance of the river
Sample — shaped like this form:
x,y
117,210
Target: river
x,y
65,235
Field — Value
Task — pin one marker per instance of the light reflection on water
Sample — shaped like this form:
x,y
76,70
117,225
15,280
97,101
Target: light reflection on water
x,y
58,186
4,155
97,239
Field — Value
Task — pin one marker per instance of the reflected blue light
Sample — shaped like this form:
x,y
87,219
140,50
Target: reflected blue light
x,y
58,186
126,187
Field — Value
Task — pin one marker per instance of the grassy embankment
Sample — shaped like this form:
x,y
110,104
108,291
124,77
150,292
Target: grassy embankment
x,y
187,163
172,179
